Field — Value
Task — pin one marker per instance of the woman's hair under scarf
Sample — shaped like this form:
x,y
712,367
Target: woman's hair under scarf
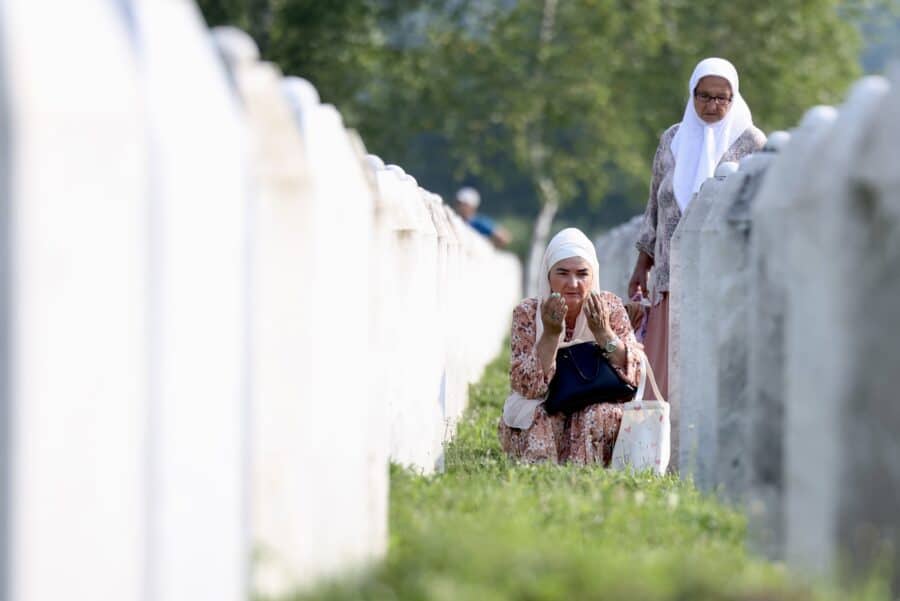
x,y
518,411
698,146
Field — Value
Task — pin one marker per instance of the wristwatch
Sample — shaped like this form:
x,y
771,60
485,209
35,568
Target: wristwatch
x,y
610,347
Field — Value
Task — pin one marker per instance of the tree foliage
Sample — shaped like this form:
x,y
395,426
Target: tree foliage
x,y
471,88
615,76
344,48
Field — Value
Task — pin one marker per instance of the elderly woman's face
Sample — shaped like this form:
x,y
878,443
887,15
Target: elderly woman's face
x,y
712,98
572,278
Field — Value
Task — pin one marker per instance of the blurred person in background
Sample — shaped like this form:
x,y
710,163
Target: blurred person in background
x,y
717,126
467,202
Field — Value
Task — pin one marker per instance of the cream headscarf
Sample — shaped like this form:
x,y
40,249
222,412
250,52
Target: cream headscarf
x,y
698,146
518,411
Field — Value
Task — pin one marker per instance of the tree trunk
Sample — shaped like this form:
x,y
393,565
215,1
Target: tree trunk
x,y
538,157
541,233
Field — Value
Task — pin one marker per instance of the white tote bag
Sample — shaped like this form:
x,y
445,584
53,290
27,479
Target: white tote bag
x,y
644,436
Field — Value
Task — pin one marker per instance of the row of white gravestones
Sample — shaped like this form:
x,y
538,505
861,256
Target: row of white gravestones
x,y
464,303
771,405
785,280
218,325
435,307
309,310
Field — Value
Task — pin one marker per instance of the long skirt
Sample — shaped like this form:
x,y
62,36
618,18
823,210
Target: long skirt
x,y
585,437
656,345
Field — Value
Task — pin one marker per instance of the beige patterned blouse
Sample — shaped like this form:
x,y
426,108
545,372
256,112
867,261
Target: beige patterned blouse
x,y
663,213
587,436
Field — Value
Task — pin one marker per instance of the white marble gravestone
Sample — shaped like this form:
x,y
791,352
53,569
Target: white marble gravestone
x,y
457,380
381,269
282,514
341,208
198,226
417,419
389,304
685,307
311,217
869,480
699,408
617,254
75,283
450,404
731,252
774,219
841,487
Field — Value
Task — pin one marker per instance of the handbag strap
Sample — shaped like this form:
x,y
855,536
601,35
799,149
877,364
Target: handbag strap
x,y
646,370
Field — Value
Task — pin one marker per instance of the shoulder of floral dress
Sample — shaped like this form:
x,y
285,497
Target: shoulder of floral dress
x,y
666,136
526,308
611,297
754,138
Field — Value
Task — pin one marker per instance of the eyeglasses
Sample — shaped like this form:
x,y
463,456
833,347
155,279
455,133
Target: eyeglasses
x,y
706,99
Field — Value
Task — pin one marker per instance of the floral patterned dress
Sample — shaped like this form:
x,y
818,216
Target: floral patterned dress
x,y
585,437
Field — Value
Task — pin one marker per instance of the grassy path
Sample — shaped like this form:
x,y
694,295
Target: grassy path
x,y
488,529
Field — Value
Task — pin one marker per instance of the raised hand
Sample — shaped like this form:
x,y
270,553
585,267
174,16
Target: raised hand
x,y
553,312
597,313
638,282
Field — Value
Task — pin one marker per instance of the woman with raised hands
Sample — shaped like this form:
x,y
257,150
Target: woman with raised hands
x,y
570,309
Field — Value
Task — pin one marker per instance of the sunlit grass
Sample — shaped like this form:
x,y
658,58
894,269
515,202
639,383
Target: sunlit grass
x,y
488,529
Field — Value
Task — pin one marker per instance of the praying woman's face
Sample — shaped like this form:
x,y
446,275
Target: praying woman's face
x,y
572,278
712,98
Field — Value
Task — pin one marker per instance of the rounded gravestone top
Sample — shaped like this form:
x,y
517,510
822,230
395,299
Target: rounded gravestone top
x,y
871,86
375,162
396,170
747,161
235,45
329,111
300,91
776,141
818,117
726,169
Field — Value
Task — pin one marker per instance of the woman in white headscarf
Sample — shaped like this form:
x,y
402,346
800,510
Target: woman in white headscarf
x,y
717,127
570,308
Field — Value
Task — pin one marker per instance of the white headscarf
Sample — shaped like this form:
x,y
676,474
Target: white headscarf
x,y
518,411
698,146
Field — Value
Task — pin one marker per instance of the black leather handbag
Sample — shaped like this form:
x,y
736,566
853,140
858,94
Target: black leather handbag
x,y
584,377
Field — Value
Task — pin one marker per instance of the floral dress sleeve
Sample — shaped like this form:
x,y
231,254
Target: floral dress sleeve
x,y
646,241
752,140
526,375
621,325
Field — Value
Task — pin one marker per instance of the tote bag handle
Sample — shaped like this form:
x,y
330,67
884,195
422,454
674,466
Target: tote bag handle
x,y
646,370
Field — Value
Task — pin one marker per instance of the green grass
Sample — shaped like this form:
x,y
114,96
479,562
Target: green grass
x,y
489,529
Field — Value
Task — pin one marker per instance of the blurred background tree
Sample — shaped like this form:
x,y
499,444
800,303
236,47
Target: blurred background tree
x,y
553,104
